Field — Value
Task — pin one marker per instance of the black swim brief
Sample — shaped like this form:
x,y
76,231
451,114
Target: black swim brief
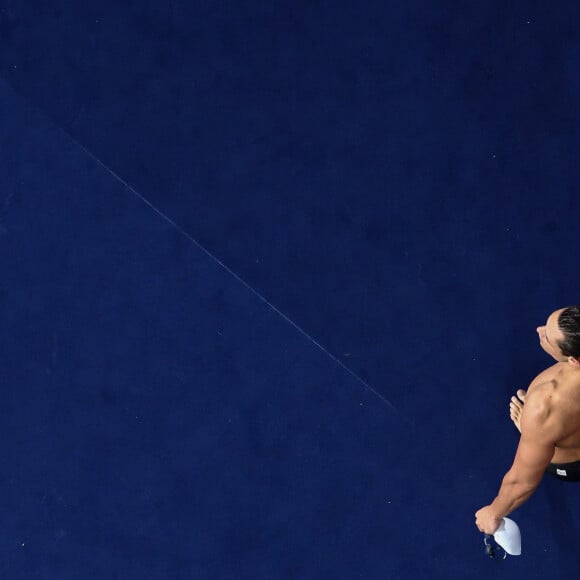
x,y
565,471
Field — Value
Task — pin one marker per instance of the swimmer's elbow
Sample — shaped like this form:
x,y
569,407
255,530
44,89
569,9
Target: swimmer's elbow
x,y
527,481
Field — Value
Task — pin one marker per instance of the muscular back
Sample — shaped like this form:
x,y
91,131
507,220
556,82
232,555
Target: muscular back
x,y
557,390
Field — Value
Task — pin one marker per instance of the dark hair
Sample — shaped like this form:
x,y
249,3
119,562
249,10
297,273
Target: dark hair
x,y
569,323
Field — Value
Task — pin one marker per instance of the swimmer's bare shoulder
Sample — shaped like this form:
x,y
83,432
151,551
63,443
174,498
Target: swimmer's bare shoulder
x,y
558,401
540,403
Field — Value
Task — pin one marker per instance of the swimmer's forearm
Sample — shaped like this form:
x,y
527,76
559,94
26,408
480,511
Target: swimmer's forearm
x,y
512,494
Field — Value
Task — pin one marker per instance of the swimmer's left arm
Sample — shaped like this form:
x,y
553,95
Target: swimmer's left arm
x,y
535,451
520,482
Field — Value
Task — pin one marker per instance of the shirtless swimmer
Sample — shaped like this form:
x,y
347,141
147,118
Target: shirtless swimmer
x,y
548,418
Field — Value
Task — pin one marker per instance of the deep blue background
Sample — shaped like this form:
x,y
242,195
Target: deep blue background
x,y
399,181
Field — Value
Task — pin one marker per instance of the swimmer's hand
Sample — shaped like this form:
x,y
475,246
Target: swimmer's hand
x,y
487,521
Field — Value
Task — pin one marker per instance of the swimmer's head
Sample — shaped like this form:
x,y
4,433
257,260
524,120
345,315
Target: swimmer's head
x,y
560,336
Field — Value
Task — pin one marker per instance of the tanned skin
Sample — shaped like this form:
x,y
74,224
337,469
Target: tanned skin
x,y
548,419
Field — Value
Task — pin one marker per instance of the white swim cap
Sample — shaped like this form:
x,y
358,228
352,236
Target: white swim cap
x,y
508,537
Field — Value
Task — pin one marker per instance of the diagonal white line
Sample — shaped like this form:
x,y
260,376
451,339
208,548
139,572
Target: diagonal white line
x,y
231,272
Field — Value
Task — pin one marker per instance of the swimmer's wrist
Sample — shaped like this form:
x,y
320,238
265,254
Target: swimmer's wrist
x,y
496,512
